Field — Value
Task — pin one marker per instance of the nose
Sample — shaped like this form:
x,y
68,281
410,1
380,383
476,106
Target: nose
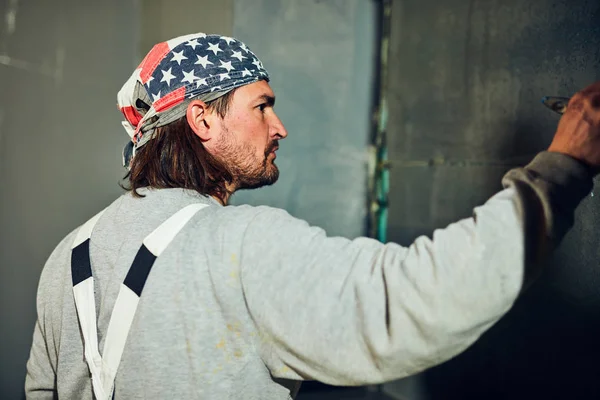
x,y
277,128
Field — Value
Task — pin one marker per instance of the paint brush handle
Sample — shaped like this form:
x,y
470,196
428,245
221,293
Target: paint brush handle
x,y
556,104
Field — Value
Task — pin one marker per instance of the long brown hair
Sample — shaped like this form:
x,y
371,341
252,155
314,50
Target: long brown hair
x,y
176,158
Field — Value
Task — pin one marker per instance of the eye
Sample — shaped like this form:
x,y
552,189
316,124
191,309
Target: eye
x,y
262,107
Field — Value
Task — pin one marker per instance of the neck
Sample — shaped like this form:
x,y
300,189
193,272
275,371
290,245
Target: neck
x,y
224,200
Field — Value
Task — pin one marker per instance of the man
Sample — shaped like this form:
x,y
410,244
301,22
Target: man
x,y
247,302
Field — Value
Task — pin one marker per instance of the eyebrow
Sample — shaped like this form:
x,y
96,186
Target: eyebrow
x,y
270,100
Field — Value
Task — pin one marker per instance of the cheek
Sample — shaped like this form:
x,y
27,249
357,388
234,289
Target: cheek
x,y
254,130
249,127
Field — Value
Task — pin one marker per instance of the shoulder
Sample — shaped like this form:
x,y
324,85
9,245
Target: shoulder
x,y
244,225
58,261
54,278
262,217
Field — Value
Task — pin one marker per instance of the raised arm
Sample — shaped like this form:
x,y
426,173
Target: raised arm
x,y
353,312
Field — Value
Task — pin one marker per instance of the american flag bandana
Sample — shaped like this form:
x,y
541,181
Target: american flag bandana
x,y
196,66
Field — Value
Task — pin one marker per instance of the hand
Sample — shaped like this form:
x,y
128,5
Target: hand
x,y
578,132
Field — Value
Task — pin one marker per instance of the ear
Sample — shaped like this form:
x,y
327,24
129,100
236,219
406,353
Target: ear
x,y
201,120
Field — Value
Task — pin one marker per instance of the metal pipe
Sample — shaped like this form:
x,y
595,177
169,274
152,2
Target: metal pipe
x,y
378,184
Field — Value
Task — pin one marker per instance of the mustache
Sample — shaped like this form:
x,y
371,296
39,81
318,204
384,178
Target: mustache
x,y
274,145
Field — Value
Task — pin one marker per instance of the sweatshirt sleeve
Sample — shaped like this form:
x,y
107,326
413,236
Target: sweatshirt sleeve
x,y
40,381
42,365
548,191
355,312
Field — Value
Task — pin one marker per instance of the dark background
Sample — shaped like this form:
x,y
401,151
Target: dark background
x,y
466,79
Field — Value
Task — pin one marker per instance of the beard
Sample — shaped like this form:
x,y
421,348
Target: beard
x,y
248,170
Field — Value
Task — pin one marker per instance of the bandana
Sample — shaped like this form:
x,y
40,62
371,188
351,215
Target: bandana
x,y
196,66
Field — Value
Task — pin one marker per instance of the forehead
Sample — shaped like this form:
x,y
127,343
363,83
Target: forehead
x,y
253,91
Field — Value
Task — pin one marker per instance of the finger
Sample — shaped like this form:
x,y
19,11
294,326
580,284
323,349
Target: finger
x,y
576,103
587,99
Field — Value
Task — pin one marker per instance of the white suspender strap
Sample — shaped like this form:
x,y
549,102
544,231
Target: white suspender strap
x,y
131,289
104,368
85,302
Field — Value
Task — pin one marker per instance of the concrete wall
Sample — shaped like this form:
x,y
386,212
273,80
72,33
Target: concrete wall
x,y
320,55
466,78
161,21
61,65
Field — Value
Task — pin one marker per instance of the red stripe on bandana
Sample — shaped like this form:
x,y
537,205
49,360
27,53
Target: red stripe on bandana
x,y
132,115
151,61
169,100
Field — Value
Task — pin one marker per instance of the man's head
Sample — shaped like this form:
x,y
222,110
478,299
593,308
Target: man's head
x,y
199,111
245,138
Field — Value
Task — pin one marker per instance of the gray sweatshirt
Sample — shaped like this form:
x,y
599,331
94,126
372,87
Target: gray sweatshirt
x,y
247,302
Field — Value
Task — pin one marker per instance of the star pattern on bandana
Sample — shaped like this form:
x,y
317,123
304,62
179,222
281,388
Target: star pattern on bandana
x,y
203,61
167,76
189,76
179,57
205,64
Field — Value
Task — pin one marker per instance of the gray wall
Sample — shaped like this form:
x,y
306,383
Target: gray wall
x,y
465,86
320,55
161,21
61,64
